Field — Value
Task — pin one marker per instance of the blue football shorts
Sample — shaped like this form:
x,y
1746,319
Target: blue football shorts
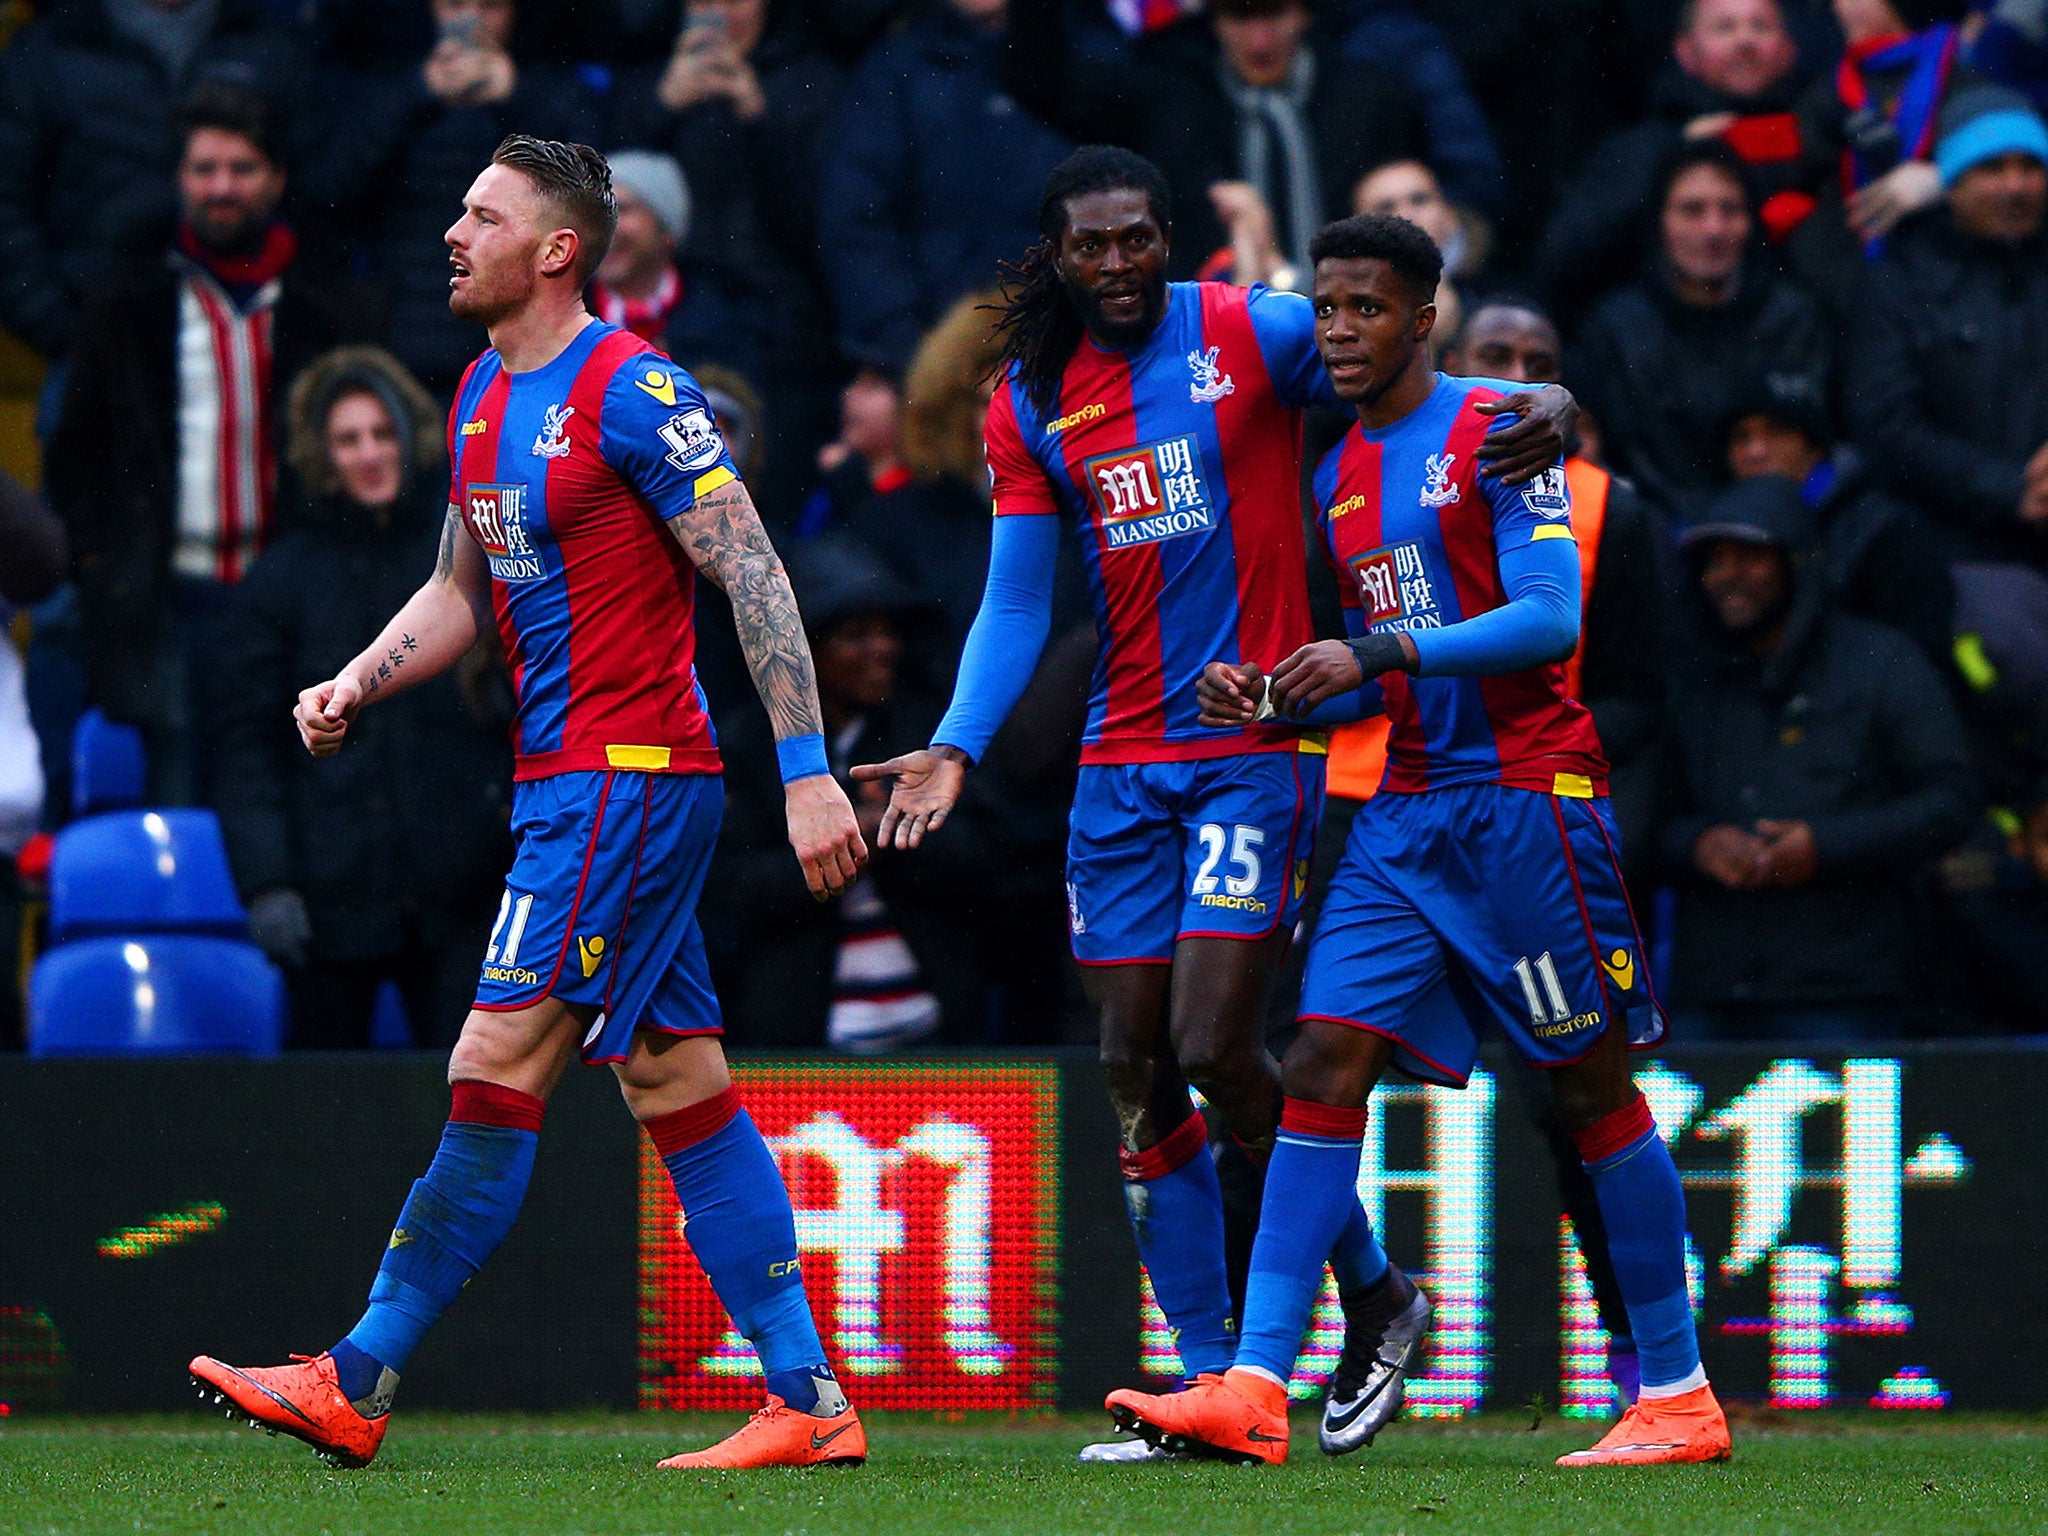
x,y
601,905
1473,903
1218,848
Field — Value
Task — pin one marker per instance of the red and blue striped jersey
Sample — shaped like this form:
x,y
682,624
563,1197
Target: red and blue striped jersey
x,y
1414,529
565,475
1178,464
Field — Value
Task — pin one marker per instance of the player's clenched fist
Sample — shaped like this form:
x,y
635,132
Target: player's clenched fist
x,y
1229,694
824,833
324,711
927,784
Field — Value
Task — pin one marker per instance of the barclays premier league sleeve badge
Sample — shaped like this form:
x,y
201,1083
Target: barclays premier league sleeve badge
x,y
693,440
1546,495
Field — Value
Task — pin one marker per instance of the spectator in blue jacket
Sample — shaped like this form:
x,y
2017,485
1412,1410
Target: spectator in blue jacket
x,y
932,177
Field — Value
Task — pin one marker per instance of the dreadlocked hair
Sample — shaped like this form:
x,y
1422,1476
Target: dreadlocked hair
x,y
1035,321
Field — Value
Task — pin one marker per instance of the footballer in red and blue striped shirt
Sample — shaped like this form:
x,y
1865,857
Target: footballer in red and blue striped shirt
x,y
1160,424
1481,887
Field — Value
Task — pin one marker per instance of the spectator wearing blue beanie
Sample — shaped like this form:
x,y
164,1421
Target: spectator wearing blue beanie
x,y
1985,125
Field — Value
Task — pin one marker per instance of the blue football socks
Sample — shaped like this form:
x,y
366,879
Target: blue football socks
x,y
739,1224
1311,1198
454,1220
1643,1205
1176,1207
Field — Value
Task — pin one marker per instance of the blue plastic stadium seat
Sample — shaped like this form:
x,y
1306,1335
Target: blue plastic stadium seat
x,y
155,995
130,872
109,771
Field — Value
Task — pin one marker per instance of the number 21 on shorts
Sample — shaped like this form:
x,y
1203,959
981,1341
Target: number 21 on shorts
x,y
518,907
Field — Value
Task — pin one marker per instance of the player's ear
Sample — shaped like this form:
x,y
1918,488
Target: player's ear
x,y
1425,321
558,252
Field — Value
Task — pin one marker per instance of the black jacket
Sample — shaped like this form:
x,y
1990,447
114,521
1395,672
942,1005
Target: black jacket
x,y
1847,727
406,825
932,177
111,465
1166,100
1659,376
89,145
1944,379
1882,559
753,184
400,160
1593,239
1622,678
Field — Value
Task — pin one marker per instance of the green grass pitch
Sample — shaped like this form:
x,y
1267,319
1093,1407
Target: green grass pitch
x,y
452,1476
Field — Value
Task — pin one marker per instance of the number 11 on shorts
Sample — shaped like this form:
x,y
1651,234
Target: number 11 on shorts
x,y
1548,1007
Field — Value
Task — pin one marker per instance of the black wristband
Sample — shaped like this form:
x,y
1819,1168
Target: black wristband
x,y
1377,654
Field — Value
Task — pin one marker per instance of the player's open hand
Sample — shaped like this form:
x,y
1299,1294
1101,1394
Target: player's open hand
x,y
825,834
1316,672
927,784
1520,451
1229,694
324,712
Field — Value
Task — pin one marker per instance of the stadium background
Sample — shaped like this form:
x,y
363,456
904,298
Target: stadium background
x,y
1863,1226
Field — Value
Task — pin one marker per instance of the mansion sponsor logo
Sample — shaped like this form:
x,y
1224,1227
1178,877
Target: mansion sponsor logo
x,y
497,516
1394,587
1152,492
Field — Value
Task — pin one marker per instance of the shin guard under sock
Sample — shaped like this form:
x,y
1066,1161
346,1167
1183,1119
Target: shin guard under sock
x,y
1176,1206
1643,1205
454,1219
738,1222
1311,1196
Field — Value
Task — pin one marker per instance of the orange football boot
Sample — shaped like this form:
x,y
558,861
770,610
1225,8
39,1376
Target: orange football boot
x,y
1688,1427
1238,1416
302,1399
780,1436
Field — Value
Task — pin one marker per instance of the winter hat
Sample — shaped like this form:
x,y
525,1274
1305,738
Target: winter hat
x,y
658,182
1982,123
1768,510
1792,398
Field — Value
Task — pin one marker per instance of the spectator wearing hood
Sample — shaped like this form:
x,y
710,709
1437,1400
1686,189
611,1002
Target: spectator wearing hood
x,y
644,285
384,860
1818,768
1657,363
1730,78
894,962
1878,556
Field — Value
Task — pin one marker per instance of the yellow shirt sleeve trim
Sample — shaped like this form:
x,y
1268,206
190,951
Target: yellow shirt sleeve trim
x,y
645,759
708,483
1572,786
1551,531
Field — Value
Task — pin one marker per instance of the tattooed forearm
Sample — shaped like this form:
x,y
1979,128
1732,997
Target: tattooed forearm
x,y
451,526
723,534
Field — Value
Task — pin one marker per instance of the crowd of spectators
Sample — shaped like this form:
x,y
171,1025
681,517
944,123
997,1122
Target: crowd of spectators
x,y
1790,256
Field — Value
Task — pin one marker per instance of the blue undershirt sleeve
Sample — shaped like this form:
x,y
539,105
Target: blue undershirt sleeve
x,y
1538,623
1008,633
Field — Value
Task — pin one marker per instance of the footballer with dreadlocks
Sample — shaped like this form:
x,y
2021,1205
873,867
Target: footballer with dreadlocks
x,y
1163,421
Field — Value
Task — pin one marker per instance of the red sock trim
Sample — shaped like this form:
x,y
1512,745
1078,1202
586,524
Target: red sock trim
x,y
1313,1119
1259,1152
1175,1150
685,1127
481,1103
1609,1134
